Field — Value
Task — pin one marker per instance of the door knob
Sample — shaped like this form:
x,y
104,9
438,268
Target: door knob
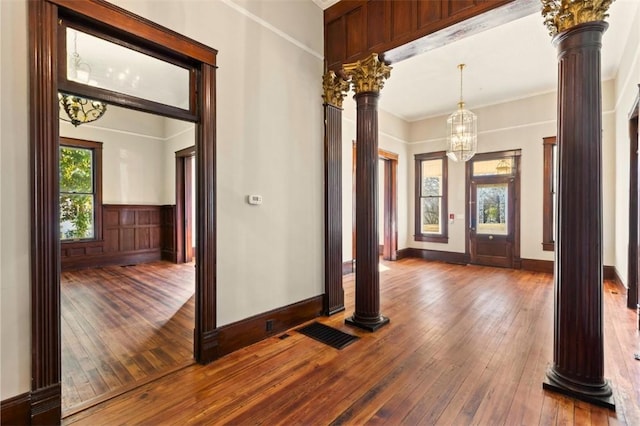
x,y
491,237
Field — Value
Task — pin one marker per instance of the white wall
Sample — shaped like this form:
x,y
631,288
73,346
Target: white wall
x,y
520,124
15,311
626,90
132,155
179,135
269,141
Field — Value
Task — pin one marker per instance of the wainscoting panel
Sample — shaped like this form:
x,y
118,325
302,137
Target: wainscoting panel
x,y
131,234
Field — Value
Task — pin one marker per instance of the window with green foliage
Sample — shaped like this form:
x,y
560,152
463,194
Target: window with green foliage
x,y
431,197
80,192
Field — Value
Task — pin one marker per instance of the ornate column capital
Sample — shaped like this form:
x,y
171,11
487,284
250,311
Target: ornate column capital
x,y
334,89
367,75
561,15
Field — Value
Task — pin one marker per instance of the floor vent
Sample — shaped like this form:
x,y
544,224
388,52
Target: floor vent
x,y
327,335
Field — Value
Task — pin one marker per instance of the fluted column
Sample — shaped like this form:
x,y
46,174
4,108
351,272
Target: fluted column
x,y
335,89
367,78
578,362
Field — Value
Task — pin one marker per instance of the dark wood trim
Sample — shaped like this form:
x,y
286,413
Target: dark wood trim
x,y
548,190
443,256
633,273
206,217
418,235
537,265
168,242
617,278
16,410
354,157
348,267
609,272
44,135
333,291
402,253
146,32
250,330
356,28
187,224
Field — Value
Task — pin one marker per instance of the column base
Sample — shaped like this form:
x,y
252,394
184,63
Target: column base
x,y
598,395
367,325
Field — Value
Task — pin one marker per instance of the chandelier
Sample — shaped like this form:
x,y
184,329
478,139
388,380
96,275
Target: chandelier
x,y
462,131
79,110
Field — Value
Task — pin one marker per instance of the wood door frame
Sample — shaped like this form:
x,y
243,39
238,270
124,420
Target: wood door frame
x,y
633,274
390,211
515,154
184,201
44,47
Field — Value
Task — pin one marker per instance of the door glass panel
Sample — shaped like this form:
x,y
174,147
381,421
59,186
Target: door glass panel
x,y
491,205
100,63
503,166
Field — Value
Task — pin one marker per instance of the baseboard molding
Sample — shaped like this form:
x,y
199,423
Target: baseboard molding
x,y
348,267
402,253
125,258
16,410
617,278
46,405
251,330
537,265
443,256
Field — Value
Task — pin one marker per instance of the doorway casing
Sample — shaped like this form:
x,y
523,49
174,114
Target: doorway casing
x,y
44,46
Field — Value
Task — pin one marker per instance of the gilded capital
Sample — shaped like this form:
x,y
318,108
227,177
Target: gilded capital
x,y
561,15
367,75
335,89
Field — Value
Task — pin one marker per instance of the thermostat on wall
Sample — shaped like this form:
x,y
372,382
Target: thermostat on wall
x,y
255,199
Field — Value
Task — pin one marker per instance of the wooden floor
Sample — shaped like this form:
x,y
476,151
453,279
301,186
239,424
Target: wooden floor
x,y
466,345
123,326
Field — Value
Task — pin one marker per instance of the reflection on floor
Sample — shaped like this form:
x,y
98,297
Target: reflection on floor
x,y
122,326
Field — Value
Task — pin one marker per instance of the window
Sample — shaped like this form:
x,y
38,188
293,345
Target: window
x,y
549,196
431,197
80,189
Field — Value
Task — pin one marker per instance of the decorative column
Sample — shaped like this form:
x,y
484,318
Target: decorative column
x,y
578,362
335,89
367,77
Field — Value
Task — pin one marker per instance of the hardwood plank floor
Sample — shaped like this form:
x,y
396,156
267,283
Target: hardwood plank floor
x,y
466,345
123,326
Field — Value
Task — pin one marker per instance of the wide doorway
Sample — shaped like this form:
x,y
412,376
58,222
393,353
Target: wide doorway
x,y
493,224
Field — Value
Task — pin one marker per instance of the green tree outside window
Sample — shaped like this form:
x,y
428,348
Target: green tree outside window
x,y
77,194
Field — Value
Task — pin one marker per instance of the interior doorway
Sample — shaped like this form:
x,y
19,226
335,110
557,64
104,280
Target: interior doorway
x,y
185,204
493,220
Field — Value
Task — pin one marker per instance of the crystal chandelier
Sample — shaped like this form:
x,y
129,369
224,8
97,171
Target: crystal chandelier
x,y
79,110
462,131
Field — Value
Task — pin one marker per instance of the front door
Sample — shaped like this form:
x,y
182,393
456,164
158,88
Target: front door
x,y
493,225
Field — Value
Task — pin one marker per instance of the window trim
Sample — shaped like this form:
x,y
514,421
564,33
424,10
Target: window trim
x,y
548,240
443,237
96,148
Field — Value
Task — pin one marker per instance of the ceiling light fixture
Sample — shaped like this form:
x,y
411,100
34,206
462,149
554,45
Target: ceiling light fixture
x,y
79,110
462,131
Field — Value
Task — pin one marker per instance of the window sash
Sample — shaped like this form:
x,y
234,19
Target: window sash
x,y
431,197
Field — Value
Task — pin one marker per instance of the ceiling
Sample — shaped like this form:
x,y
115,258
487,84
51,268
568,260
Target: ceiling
x,y
508,62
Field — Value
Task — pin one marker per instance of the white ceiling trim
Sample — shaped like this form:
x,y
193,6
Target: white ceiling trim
x,y
271,28
122,132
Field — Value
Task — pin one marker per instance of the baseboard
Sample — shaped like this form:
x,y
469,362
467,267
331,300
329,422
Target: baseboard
x,y
16,410
443,256
46,405
133,258
617,278
402,253
348,267
537,265
251,330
